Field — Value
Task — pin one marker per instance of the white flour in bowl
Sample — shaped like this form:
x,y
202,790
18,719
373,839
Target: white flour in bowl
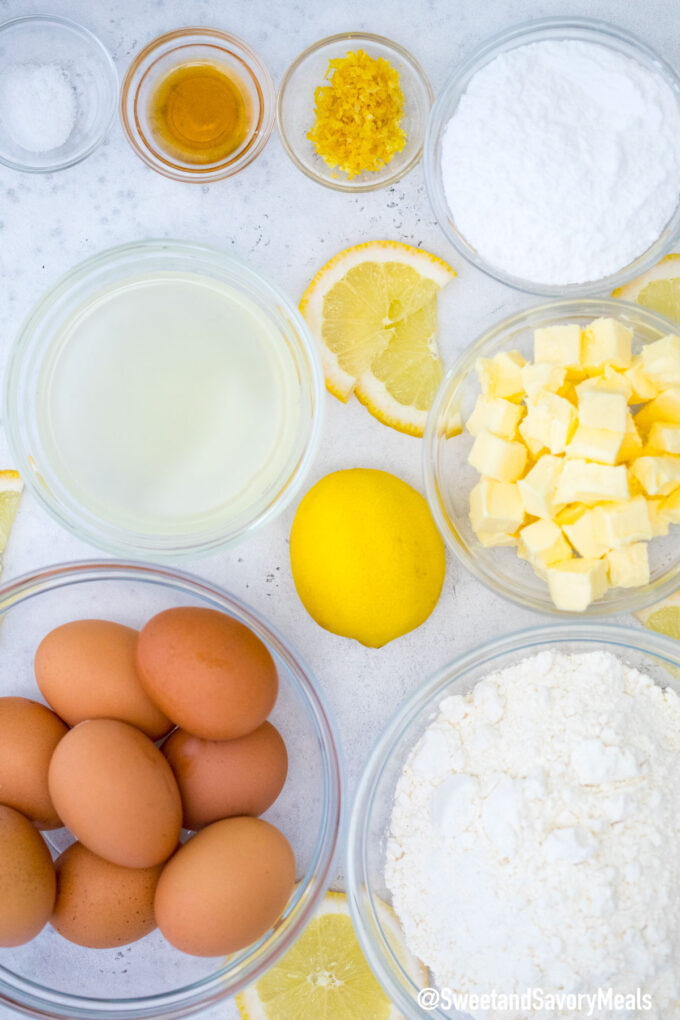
x,y
561,162
535,836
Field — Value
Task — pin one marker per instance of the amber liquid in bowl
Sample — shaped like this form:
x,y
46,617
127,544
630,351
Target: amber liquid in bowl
x,y
199,112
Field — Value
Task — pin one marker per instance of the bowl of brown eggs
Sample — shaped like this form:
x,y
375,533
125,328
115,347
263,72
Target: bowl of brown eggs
x,y
169,793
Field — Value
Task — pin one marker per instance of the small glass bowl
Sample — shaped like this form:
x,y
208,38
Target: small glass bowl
x,y
385,945
51,977
48,39
295,109
449,478
183,46
582,29
24,396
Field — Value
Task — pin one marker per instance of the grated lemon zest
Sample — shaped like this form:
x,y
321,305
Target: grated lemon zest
x,y
358,115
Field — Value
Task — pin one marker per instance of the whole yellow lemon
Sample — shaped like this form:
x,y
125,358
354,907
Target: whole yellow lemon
x,y
367,559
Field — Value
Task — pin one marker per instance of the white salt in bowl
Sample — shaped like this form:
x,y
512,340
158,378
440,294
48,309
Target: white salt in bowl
x,y
379,929
561,28
84,98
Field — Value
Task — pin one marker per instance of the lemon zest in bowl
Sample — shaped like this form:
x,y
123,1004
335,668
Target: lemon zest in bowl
x,y
358,114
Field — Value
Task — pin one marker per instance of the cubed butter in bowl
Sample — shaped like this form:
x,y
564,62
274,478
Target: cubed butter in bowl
x,y
562,488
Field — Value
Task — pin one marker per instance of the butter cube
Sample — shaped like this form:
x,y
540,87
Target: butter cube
x,y
670,508
629,567
657,520
599,445
607,341
581,534
665,407
661,360
542,544
558,345
611,382
550,422
499,538
663,438
643,387
582,482
495,415
500,459
542,376
495,507
575,583
658,476
568,391
631,445
619,524
602,410
534,446
569,514
501,376
537,488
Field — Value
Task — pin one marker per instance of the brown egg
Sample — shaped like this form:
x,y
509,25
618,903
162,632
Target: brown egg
x,y
222,778
27,882
116,793
102,905
209,673
226,887
29,733
86,670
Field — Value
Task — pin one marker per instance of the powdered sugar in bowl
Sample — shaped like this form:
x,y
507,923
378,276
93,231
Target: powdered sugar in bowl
x,y
533,157
58,91
610,775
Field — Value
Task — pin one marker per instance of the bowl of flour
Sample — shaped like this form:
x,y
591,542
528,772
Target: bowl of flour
x,y
521,816
552,157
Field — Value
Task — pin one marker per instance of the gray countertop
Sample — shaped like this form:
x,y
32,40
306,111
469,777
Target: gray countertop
x,y
286,226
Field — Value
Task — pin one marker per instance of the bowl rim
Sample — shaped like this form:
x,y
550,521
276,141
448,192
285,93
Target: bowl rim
x,y
365,915
342,37
260,132
123,541
631,599
112,90
28,996
593,30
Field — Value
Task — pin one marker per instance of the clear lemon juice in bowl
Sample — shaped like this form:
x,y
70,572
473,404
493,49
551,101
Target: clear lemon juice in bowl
x,y
170,401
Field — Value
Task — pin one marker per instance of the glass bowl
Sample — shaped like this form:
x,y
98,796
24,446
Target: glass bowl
x,y
88,66
295,109
583,29
449,478
29,402
53,977
182,46
383,944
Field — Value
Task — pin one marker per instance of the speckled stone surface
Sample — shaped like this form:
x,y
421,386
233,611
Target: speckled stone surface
x,y
285,226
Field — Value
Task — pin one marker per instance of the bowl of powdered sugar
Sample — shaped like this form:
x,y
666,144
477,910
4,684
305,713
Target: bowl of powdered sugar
x,y
521,815
58,91
552,157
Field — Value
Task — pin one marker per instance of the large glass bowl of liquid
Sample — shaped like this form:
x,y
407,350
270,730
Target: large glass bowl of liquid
x,y
163,399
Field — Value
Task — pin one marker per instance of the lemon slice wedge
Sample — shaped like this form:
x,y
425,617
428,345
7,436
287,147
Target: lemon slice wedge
x,y
324,975
664,617
11,487
373,312
657,289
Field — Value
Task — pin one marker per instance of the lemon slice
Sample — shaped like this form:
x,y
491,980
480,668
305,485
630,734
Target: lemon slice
x,y
373,311
664,617
658,288
11,487
324,976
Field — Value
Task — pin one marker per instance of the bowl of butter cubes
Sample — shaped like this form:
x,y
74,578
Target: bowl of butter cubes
x,y
552,457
